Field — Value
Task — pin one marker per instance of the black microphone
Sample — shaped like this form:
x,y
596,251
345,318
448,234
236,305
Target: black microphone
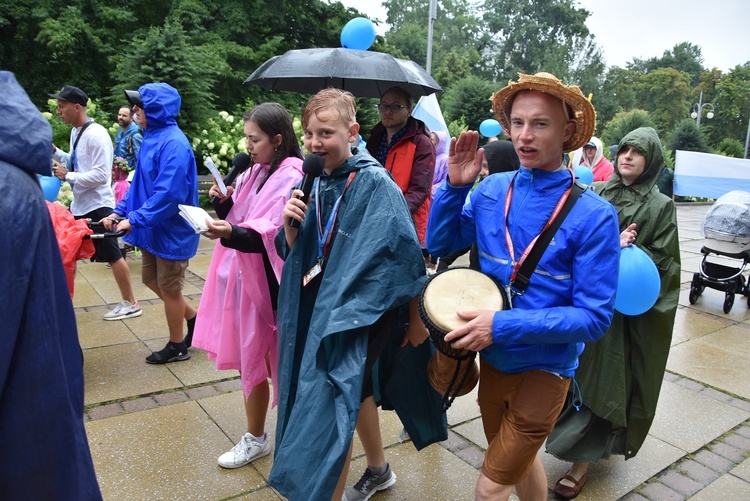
x,y
240,163
312,166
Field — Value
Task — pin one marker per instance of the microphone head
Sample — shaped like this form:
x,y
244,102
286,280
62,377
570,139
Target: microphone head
x,y
242,161
313,165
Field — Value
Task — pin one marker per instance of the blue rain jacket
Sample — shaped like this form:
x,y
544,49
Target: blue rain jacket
x,y
166,176
44,453
375,265
570,299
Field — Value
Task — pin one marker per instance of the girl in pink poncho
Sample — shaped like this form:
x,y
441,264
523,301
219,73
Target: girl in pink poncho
x,y
236,321
594,159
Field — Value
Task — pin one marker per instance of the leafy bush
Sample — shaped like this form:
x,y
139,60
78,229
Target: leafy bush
x,y
623,123
469,100
456,126
731,148
687,137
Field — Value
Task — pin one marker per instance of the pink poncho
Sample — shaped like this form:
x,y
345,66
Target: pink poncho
x,y
236,323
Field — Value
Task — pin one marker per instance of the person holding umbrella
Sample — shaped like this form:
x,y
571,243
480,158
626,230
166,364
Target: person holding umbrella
x,y
402,144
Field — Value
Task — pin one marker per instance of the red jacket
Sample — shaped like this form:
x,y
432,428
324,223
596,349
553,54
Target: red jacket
x,y
411,162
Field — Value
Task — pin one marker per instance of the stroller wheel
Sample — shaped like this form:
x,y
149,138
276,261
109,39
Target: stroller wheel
x,y
728,302
695,292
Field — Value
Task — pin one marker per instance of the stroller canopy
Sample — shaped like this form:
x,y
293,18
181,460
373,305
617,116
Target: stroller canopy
x,y
728,220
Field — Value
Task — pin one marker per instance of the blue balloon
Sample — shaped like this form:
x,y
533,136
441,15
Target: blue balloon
x,y
584,174
359,34
490,127
50,187
638,284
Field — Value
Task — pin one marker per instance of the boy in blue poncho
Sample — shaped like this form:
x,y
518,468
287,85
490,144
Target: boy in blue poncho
x,y
350,273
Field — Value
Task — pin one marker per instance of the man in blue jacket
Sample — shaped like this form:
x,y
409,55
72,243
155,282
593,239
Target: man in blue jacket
x,y
166,177
529,353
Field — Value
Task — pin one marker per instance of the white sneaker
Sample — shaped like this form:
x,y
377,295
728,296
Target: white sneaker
x,y
124,310
248,449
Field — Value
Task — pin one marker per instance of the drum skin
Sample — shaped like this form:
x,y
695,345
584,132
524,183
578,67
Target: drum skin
x,y
454,372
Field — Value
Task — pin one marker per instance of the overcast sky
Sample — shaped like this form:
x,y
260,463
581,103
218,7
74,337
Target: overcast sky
x,y
646,28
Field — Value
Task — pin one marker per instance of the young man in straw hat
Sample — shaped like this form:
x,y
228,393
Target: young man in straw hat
x,y
528,353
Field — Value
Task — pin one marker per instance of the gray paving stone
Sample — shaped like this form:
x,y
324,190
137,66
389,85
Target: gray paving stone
x,y
727,451
105,411
660,492
455,442
698,472
743,430
202,391
633,496
225,386
668,376
171,398
690,385
472,455
738,441
717,395
140,404
680,483
713,461
740,404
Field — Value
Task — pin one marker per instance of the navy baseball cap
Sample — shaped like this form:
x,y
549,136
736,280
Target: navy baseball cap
x,y
72,94
134,98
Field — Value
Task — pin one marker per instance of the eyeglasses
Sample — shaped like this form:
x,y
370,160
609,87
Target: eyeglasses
x,y
395,108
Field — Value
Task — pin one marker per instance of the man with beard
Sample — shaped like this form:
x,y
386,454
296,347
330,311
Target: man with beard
x,y
128,138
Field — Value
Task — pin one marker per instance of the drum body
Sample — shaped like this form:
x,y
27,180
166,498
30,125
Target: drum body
x,y
454,372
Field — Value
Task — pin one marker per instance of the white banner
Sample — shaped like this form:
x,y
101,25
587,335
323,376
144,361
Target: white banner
x,y
709,176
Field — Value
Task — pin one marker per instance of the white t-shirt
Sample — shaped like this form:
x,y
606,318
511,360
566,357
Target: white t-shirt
x,y
92,179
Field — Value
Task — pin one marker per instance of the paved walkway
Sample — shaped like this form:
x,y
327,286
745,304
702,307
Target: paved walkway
x,y
156,431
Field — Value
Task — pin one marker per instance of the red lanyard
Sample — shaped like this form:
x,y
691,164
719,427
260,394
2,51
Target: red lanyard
x,y
517,264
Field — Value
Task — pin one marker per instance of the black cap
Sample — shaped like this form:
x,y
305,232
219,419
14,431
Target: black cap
x,y
72,94
134,98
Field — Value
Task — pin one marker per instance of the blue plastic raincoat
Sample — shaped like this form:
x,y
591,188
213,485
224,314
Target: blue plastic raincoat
x,y
375,265
571,296
166,176
44,453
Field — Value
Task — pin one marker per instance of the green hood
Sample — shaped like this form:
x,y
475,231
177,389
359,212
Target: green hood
x,y
645,140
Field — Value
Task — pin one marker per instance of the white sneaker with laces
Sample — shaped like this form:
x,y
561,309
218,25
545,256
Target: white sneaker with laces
x,y
248,449
124,310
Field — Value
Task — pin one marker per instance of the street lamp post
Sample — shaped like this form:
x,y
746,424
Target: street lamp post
x,y
698,110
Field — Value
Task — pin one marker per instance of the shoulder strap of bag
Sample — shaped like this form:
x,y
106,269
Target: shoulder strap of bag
x,y
527,269
78,137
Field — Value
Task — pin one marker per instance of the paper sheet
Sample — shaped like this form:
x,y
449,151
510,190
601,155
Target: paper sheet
x,y
195,216
217,176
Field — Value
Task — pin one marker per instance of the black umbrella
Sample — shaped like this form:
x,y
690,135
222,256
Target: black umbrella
x,y
361,72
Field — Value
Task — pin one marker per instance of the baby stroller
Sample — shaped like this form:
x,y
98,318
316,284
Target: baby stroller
x,y
726,228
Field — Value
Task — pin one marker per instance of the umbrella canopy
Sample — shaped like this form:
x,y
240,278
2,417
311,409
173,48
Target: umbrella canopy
x,y
361,72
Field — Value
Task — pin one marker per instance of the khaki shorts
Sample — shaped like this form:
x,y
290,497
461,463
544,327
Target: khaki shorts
x,y
168,275
518,413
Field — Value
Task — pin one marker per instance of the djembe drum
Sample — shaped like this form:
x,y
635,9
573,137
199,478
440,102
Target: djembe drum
x,y
453,372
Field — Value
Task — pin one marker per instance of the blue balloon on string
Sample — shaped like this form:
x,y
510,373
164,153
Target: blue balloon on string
x,y
50,187
490,127
638,284
359,34
584,174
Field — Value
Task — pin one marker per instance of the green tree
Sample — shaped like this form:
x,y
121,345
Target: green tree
x,y
623,123
530,36
688,137
684,57
165,55
664,92
615,95
732,105
468,100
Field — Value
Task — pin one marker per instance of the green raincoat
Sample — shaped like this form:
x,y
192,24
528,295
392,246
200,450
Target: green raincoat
x,y
620,375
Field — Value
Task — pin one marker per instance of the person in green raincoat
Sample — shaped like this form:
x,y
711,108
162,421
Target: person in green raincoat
x,y
621,374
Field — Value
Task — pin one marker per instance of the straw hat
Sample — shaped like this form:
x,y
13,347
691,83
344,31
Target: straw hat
x,y
585,116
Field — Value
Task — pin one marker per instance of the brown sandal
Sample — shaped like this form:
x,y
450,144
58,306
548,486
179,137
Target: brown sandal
x,y
566,492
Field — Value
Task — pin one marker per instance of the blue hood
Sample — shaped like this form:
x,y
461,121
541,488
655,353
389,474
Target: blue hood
x,y
161,103
27,135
